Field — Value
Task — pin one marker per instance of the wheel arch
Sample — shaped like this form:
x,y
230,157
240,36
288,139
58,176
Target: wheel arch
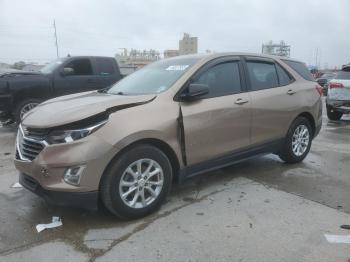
x,y
158,143
311,120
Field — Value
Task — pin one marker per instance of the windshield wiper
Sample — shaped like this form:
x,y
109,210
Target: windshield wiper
x,y
103,90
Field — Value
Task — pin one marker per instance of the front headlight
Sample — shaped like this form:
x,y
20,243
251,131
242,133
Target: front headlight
x,y
65,136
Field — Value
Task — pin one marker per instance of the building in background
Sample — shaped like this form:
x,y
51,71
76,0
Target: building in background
x,y
131,60
138,58
279,49
171,53
188,45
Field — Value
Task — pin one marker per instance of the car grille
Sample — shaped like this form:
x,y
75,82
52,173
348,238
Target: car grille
x,y
29,144
35,133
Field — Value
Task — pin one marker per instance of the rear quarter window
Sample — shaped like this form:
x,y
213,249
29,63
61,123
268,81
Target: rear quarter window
x,y
301,69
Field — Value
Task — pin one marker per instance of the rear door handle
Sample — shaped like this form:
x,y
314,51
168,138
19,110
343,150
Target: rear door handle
x,y
291,92
240,101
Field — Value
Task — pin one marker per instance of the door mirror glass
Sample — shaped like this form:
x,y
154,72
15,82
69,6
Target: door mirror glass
x,y
67,71
195,92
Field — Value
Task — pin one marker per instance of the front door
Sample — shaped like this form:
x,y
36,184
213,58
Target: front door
x,y
218,123
81,79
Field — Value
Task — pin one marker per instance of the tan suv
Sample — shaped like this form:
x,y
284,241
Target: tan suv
x,y
171,120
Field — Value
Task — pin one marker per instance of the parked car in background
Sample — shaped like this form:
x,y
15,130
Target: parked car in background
x,y
170,120
338,97
21,91
323,81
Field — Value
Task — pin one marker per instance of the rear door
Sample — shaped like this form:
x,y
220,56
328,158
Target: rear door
x,y
273,97
82,79
106,71
219,123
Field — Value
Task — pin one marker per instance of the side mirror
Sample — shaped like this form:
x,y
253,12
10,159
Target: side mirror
x,y
67,71
195,92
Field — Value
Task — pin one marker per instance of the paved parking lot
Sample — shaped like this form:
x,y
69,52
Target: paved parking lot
x,y
259,210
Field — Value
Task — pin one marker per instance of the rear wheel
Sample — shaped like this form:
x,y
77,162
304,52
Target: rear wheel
x,y
137,183
297,142
332,114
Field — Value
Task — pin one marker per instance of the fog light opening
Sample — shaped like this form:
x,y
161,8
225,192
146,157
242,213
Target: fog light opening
x,y
73,174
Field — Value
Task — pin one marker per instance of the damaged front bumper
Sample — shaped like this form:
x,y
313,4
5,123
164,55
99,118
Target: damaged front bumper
x,y
85,200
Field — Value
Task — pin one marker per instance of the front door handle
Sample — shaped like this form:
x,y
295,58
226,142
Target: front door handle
x,y
291,92
240,101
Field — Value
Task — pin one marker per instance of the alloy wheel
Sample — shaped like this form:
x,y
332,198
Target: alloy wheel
x,y
300,140
141,183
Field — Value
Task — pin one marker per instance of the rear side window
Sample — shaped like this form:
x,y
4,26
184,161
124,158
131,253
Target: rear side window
x,y
342,75
283,77
262,75
222,79
301,69
104,67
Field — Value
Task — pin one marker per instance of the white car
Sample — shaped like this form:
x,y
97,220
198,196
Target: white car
x,y
338,97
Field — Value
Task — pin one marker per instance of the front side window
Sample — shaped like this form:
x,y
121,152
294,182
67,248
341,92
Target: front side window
x,y
154,78
222,79
80,67
262,75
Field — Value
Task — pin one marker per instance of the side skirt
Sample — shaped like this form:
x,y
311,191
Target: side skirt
x,y
229,159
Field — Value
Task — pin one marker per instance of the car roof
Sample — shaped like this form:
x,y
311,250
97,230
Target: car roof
x,y
223,54
88,56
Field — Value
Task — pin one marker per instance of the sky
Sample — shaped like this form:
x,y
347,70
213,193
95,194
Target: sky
x,y
102,27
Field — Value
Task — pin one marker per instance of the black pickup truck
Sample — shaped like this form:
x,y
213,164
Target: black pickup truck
x,y
21,91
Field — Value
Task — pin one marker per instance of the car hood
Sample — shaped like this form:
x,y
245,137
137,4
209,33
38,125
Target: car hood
x,y
14,72
69,109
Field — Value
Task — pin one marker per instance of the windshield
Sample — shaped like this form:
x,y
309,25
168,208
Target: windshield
x,y
50,67
154,78
328,76
342,75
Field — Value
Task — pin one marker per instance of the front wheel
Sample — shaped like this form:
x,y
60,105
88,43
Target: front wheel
x,y
137,182
297,143
24,107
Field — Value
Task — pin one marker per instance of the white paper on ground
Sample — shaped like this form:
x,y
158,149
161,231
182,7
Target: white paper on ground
x,y
16,185
56,222
338,238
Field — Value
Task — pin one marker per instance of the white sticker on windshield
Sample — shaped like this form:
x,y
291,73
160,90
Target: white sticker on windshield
x,y
177,67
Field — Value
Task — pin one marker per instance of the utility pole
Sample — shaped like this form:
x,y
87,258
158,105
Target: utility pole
x,y
54,26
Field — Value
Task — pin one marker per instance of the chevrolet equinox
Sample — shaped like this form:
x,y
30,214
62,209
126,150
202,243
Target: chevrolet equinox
x,y
171,120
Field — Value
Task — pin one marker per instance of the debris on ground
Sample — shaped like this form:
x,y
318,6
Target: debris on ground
x,y
344,239
345,226
16,185
56,222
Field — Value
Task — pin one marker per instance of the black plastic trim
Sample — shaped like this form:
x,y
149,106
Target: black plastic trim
x,y
85,200
229,159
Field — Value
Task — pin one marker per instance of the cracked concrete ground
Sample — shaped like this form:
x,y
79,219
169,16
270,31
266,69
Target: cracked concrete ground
x,y
259,210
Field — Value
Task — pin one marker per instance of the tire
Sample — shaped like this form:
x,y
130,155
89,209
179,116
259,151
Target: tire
x,y
111,189
21,106
287,152
333,115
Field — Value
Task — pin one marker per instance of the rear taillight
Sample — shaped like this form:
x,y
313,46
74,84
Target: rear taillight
x,y
319,89
335,85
